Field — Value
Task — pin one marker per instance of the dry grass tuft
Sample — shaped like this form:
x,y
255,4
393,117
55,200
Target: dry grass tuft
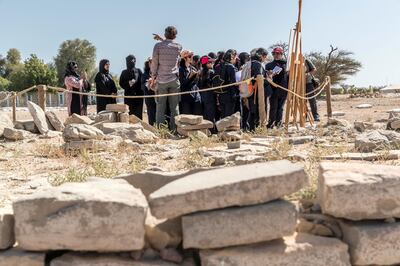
x,y
51,151
195,159
71,176
163,131
137,164
280,150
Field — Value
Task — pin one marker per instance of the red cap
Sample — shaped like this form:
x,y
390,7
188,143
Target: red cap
x,y
206,59
277,50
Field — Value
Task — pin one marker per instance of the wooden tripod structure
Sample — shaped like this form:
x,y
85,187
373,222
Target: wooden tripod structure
x,y
296,107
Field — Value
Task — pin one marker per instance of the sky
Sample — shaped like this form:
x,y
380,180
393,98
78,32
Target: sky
x,y
369,28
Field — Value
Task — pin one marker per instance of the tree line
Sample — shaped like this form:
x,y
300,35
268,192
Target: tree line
x,y
16,75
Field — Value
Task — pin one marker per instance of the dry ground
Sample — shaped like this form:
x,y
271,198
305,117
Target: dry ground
x,y
24,166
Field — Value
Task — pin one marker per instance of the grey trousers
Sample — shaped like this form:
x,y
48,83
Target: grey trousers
x,y
173,101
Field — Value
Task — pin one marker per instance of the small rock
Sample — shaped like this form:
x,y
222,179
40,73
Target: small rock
x,y
218,161
363,126
106,116
118,108
39,117
82,132
301,140
231,136
28,125
14,134
171,255
228,122
233,145
189,119
338,122
78,119
55,121
364,106
337,114
123,117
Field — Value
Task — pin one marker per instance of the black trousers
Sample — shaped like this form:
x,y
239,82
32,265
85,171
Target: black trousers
x,y
276,104
313,101
245,113
102,103
189,108
254,115
151,111
135,107
227,104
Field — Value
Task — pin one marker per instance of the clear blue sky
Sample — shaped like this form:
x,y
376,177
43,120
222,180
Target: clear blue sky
x,y
370,28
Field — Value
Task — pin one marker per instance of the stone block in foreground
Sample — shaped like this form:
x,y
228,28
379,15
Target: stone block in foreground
x,y
77,259
7,238
372,243
98,215
299,250
18,257
150,181
231,186
359,191
239,225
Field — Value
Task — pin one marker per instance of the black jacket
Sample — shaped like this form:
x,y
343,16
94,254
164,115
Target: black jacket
x,y
205,82
258,69
227,73
188,84
104,81
130,73
145,77
280,79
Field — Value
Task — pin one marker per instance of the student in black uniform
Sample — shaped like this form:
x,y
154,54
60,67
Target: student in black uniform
x,y
258,57
278,97
150,102
131,81
208,98
105,85
226,71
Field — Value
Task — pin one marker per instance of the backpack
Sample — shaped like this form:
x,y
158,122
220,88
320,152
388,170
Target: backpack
x,y
246,89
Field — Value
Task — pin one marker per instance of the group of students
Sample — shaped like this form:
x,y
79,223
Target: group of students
x,y
172,70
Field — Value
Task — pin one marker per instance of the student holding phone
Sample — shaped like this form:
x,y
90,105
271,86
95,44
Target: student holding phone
x,y
277,71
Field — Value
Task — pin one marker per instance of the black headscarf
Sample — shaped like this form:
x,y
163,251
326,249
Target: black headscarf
x,y
102,63
130,62
70,70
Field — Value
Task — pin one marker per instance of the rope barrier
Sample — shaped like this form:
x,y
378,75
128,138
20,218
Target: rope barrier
x,y
13,94
150,96
320,89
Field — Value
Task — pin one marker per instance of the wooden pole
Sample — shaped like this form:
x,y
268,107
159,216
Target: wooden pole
x,y
261,101
14,105
329,98
42,96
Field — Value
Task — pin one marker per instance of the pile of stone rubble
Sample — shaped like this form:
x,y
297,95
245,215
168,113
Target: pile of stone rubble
x,y
225,216
193,125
